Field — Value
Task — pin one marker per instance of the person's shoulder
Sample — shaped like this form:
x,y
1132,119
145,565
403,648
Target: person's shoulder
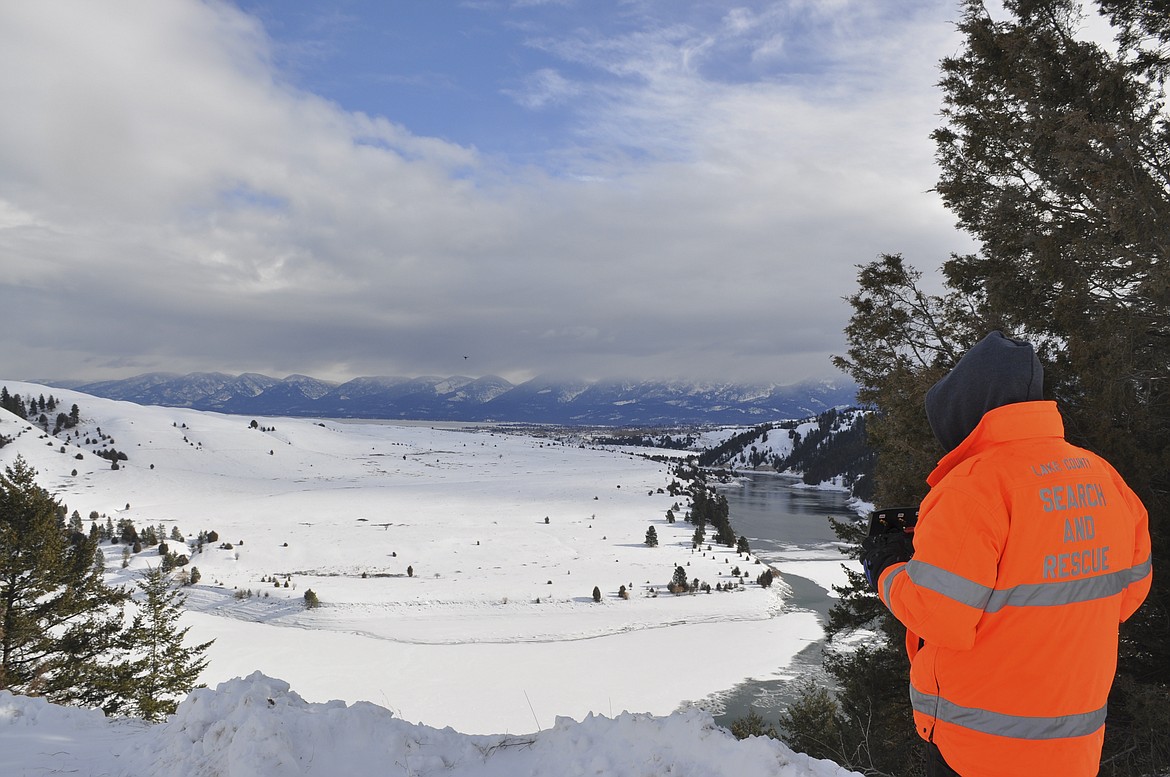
x,y
988,471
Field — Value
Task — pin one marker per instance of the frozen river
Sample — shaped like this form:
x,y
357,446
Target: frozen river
x,y
787,526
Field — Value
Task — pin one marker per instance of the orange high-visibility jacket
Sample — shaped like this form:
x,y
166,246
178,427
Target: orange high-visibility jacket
x,y
1028,553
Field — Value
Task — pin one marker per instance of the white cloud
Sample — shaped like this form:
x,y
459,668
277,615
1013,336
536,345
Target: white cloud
x,y
178,203
543,88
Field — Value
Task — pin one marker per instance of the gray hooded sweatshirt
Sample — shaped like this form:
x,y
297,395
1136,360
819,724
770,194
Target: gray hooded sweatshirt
x,y
996,371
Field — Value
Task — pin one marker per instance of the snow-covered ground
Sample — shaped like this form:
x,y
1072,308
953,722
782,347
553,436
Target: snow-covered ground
x,y
257,727
455,570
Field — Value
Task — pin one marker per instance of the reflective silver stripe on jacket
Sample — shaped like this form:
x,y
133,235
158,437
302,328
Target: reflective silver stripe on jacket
x,y
1014,726
885,593
981,597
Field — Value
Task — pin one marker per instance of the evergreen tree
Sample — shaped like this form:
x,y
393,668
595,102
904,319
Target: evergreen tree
x,y
1057,158
753,725
166,668
596,594
12,403
1055,155
652,537
60,624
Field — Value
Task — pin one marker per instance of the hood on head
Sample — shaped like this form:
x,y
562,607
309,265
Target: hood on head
x,y
996,371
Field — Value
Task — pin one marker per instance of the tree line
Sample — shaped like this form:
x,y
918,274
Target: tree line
x,y
37,409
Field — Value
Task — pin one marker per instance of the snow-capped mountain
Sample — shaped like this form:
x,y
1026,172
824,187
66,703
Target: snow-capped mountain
x,y
488,398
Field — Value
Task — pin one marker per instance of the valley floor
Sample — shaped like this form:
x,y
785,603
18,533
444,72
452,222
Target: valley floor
x,y
455,569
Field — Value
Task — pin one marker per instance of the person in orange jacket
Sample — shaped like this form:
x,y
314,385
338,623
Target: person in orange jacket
x,y
1027,554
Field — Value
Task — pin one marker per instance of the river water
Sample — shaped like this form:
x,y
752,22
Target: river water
x,y
787,527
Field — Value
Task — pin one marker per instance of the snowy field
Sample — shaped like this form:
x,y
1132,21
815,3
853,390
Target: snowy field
x,y
455,569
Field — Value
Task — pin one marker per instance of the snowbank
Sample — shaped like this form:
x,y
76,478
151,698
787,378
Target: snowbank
x,y
258,727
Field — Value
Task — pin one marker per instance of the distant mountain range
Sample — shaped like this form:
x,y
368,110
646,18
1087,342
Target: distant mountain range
x,y
490,398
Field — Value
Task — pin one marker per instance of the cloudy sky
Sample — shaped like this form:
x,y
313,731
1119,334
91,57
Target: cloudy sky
x,y
593,188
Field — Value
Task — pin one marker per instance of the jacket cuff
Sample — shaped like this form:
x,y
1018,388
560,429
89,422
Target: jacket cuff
x,y
886,581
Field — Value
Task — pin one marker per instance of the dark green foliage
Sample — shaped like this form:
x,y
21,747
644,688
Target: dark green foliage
x,y
126,531
1055,155
596,594
13,403
1135,736
112,455
812,722
753,725
678,582
1078,258
165,668
60,624
37,406
652,537
732,445
311,600
895,354
836,447
709,508
648,441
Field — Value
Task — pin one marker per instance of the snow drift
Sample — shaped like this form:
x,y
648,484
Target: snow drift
x,y
258,727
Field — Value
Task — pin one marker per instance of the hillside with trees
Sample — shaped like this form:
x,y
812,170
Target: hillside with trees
x,y
831,447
